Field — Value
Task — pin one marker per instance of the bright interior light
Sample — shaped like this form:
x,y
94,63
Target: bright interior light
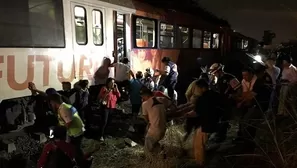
x,y
258,58
51,134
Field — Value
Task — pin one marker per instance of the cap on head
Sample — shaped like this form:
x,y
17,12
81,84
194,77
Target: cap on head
x,y
165,59
51,91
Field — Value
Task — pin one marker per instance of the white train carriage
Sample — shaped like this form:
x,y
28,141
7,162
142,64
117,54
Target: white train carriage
x,y
51,41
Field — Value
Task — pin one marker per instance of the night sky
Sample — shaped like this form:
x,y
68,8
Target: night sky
x,y
252,17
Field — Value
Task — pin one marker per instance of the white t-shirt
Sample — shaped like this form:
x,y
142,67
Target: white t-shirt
x,y
122,71
174,94
156,113
290,74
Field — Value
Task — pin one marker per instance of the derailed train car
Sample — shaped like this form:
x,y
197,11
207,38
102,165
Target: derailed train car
x,y
52,41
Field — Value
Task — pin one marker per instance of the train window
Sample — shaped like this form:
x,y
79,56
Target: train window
x,y
166,35
32,24
245,44
80,25
206,39
197,38
97,27
183,37
215,40
145,32
242,44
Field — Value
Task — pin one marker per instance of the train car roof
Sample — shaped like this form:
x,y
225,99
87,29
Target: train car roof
x,y
190,7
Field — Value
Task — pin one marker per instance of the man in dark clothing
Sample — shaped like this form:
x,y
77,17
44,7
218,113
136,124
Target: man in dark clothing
x,y
67,91
171,76
82,98
208,113
227,85
254,101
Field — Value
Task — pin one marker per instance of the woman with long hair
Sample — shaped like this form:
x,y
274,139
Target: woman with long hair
x,y
108,97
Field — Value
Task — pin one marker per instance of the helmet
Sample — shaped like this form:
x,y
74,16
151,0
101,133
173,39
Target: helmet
x,y
215,67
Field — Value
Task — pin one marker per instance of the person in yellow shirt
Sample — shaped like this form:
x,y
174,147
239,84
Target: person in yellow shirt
x,y
68,117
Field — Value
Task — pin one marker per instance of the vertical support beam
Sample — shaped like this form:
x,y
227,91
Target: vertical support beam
x,y
115,36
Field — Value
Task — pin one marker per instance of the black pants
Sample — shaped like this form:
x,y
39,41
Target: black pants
x,y
105,120
249,118
81,114
171,88
136,109
76,141
124,93
221,134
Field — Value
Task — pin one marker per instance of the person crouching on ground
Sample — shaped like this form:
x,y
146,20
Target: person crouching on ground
x,y
108,97
208,116
58,142
154,112
68,117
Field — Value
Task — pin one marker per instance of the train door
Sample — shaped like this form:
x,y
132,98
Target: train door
x,y
89,46
122,36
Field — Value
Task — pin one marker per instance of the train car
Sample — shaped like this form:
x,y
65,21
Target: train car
x,y
53,41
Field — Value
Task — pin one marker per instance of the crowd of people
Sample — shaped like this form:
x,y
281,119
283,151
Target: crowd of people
x,y
211,100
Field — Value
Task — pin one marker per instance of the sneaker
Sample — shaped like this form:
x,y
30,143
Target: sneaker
x,y
101,139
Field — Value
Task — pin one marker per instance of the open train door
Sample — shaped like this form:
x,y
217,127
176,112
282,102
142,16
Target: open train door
x,y
122,34
89,42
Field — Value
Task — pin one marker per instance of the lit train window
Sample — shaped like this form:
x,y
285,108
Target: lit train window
x,y
206,39
242,44
80,25
32,24
97,27
145,32
197,38
215,40
183,37
166,35
245,44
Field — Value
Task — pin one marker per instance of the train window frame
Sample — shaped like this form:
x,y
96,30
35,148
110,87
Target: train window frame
x,y
155,42
174,35
86,26
102,27
177,45
63,34
201,38
212,40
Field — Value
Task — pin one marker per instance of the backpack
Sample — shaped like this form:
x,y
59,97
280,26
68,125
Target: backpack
x,y
59,159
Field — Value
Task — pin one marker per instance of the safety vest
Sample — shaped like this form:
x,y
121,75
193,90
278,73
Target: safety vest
x,y
76,127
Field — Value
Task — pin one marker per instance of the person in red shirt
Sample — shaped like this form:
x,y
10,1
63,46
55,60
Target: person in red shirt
x,y
58,142
108,97
160,92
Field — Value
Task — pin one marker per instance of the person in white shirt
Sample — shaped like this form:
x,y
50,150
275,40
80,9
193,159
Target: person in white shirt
x,y
289,76
122,75
274,73
123,71
171,72
154,112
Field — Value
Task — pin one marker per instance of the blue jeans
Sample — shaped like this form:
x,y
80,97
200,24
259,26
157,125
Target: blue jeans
x,y
105,119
